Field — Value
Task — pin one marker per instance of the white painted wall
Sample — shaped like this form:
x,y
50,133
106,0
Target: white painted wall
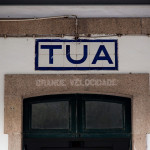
x,y
17,57
148,141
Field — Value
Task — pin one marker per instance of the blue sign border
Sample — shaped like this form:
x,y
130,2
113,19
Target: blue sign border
x,y
75,68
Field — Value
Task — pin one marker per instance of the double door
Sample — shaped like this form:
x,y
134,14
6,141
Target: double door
x,y
77,121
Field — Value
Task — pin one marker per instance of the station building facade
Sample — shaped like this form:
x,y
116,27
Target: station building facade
x,y
75,61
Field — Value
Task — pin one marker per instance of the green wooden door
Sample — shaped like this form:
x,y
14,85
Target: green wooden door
x,y
77,116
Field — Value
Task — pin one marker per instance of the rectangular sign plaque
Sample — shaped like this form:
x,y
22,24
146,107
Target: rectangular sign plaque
x,y
83,54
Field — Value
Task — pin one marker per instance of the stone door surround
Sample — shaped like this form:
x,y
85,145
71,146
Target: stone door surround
x,y
20,86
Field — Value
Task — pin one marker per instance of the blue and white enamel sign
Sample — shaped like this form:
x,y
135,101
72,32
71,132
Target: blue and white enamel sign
x,y
57,54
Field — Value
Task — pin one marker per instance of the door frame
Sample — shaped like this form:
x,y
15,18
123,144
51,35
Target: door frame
x,y
20,86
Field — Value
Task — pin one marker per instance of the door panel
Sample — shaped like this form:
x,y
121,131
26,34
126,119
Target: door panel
x,y
42,112
103,115
61,149
74,144
98,148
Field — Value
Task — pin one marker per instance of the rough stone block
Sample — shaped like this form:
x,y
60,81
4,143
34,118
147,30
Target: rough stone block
x,y
13,114
15,142
146,26
110,26
40,27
